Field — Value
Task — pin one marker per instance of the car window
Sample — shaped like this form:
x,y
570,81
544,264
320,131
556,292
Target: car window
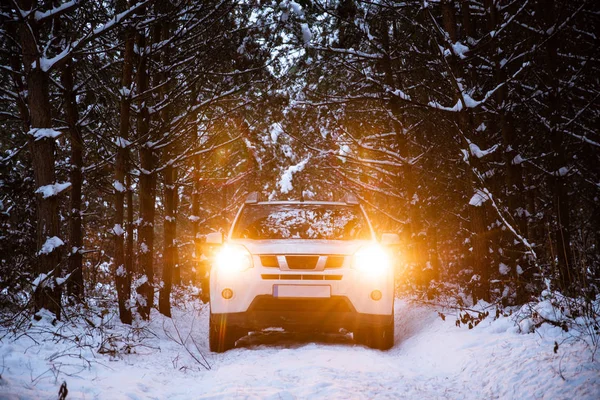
x,y
301,221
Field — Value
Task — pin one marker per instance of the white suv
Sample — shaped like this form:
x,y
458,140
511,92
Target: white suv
x,y
301,265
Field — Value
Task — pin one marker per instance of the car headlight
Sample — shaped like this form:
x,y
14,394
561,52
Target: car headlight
x,y
233,258
372,259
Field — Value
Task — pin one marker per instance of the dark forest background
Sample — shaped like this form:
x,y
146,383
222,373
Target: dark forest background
x,y
129,130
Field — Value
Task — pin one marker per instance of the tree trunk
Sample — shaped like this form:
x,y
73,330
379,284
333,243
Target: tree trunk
x,y
449,19
481,278
164,303
129,249
513,181
199,272
75,286
480,281
20,85
169,222
123,271
195,217
45,296
176,266
417,236
467,21
147,184
562,234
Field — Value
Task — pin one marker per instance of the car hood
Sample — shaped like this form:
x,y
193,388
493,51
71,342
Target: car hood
x,y
302,246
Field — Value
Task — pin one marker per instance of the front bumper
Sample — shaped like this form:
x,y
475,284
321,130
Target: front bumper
x,y
255,303
328,314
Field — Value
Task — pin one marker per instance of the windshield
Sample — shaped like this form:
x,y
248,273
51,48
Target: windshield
x,y
301,221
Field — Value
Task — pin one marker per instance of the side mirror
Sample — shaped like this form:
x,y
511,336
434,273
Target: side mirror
x,y
214,238
389,239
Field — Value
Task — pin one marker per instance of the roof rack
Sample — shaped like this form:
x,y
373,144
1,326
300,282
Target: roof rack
x,y
350,198
252,198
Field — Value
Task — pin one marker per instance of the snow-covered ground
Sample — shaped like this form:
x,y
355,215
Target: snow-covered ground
x,y
432,359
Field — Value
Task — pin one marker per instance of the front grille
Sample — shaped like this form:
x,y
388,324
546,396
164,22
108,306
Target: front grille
x,y
302,262
304,277
334,262
269,261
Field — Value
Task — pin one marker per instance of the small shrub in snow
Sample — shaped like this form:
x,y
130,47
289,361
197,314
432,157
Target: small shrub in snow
x,y
577,315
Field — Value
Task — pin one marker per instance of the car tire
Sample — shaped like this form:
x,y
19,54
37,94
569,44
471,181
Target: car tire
x,y
220,336
384,339
381,338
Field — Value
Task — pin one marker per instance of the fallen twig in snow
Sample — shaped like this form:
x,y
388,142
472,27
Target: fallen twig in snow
x,y
199,358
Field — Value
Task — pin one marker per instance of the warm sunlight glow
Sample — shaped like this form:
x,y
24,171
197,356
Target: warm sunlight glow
x,y
233,258
372,260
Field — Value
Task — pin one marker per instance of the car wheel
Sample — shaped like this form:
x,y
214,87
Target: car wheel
x,y
384,338
381,338
221,337
361,336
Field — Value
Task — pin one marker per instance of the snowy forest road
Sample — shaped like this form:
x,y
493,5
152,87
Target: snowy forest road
x,y
282,365
432,359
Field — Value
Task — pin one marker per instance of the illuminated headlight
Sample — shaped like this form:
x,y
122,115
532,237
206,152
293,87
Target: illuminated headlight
x,y
233,258
372,260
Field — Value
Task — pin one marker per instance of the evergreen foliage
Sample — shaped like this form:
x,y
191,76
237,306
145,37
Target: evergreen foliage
x,y
470,127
